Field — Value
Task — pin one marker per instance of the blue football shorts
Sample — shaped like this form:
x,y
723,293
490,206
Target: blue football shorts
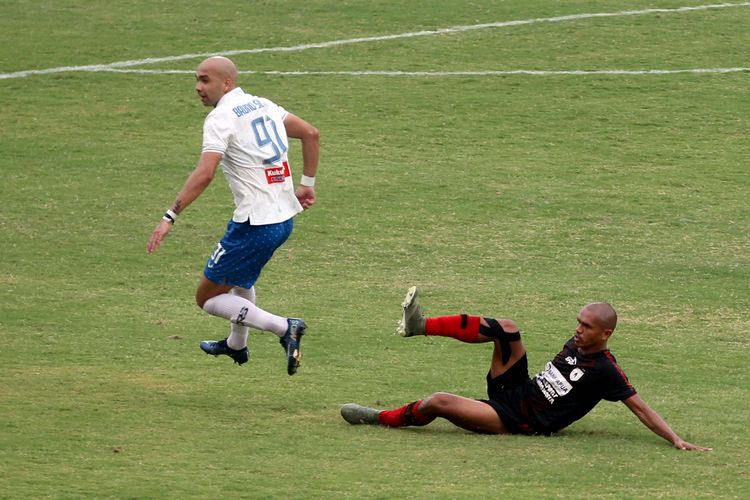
x,y
244,250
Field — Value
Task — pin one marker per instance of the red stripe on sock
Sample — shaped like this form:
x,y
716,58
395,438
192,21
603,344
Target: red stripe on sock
x,y
393,418
451,326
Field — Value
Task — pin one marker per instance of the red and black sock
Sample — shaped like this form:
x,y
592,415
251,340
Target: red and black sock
x,y
460,327
407,415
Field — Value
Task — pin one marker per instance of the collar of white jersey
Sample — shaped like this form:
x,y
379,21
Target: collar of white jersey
x,y
236,90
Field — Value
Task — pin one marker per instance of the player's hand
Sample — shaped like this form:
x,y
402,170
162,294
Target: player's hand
x,y
684,445
158,235
306,196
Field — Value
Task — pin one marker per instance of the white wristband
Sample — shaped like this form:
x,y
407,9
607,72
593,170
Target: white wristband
x,y
170,216
307,181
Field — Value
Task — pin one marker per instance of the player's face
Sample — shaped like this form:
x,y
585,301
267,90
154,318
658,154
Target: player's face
x,y
590,336
209,85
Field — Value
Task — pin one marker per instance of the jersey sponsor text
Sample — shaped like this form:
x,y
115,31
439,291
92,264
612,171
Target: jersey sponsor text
x,y
278,173
552,383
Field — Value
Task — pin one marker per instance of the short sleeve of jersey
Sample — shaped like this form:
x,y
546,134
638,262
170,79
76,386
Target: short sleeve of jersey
x,y
216,133
616,386
282,111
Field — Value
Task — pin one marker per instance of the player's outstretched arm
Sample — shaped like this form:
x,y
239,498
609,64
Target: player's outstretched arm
x,y
199,179
657,424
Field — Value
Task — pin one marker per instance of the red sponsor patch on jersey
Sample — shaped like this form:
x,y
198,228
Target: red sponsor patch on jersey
x,y
278,173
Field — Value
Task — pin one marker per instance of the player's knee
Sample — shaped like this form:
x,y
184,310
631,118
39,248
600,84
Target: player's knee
x,y
508,325
499,328
437,403
200,299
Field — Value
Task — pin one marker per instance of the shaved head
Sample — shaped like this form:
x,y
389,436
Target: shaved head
x,y
215,77
221,66
605,314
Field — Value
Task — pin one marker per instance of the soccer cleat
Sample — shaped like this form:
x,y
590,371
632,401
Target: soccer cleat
x,y
412,321
290,342
356,414
218,347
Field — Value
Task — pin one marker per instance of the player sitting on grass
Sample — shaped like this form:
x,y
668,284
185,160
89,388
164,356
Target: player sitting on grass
x,y
579,376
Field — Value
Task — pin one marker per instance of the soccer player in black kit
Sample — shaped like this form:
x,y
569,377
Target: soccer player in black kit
x,y
579,376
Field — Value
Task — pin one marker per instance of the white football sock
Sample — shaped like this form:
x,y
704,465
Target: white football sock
x,y
243,312
238,333
245,293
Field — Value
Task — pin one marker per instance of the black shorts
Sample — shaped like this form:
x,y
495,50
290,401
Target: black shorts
x,y
518,374
507,393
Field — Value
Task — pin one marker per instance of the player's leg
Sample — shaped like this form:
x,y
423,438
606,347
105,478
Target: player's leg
x,y
466,413
413,322
238,260
243,313
463,327
509,367
246,293
238,333
463,412
216,300
508,345
210,293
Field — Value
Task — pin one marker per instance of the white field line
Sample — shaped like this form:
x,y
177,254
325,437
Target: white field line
x,y
349,41
448,73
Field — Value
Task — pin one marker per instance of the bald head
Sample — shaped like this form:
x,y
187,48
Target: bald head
x,y
604,313
215,77
221,66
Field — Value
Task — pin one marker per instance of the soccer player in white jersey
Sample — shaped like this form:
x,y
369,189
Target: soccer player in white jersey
x,y
248,136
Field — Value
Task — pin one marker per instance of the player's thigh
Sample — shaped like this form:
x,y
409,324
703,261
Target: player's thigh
x,y
510,340
208,289
464,412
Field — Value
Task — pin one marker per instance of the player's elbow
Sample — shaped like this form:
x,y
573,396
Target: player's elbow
x,y
204,177
311,134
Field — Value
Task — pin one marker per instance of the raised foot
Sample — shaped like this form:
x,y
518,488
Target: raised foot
x,y
291,343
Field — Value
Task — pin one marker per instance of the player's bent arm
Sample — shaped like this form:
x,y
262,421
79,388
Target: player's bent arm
x,y
199,179
298,128
657,424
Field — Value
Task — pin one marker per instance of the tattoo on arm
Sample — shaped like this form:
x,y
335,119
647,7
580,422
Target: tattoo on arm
x,y
178,206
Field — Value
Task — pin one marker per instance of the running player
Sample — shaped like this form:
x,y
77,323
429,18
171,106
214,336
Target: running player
x,y
248,136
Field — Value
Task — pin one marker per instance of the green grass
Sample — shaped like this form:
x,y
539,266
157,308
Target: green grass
x,y
507,196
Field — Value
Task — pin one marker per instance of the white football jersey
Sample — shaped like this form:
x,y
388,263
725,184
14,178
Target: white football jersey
x,y
249,132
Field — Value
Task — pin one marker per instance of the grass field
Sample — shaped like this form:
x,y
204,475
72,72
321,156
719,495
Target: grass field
x,y
508,195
